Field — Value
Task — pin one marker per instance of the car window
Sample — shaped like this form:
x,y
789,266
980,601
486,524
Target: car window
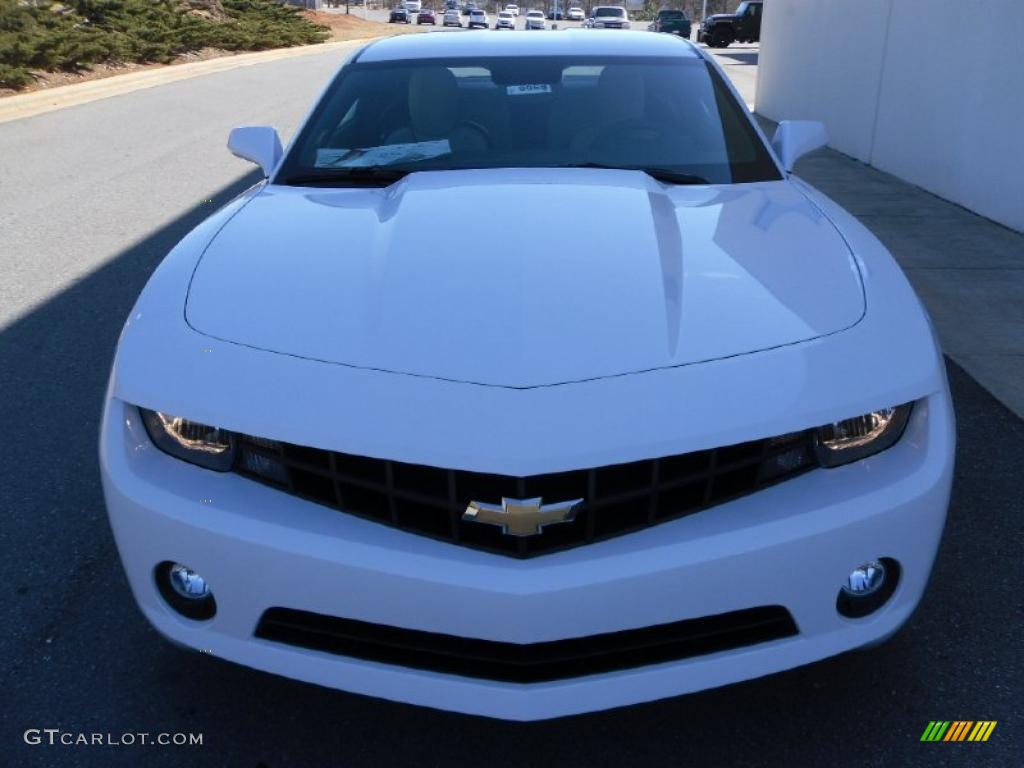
x,y
603,12
671,113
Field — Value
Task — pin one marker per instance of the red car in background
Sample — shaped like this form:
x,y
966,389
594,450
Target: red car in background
x,y
426,16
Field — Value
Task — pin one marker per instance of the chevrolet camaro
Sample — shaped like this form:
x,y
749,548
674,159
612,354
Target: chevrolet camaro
x,y
700,436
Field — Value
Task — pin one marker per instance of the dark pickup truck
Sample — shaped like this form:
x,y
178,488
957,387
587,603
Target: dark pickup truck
x,y
744,26
672,22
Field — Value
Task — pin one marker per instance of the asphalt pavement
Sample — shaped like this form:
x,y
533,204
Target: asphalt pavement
x,y
91,198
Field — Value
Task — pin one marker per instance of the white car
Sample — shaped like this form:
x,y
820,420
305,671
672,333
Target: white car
x,y
547,472
452,18
513,9
506,20
413,6
535,20
608,17
477,18
575,14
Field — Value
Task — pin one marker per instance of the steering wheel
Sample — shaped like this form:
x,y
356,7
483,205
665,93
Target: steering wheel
x,y
477,128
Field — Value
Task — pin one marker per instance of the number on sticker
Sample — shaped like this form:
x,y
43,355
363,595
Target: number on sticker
x,y
523,90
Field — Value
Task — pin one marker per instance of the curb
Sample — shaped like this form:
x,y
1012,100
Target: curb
x,y
51,99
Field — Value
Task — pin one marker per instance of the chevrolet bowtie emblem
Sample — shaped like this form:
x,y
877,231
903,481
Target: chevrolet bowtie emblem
x,y
522,517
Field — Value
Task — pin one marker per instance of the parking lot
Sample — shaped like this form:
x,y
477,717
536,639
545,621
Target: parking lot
x,y
91,199
382,14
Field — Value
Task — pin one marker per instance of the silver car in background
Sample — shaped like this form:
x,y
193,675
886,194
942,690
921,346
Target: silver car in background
x,y
535,20
608,17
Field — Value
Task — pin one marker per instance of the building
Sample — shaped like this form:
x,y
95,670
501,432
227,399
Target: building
x,y
932,92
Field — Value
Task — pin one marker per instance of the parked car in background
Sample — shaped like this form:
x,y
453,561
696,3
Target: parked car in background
x,y
608,17
513,9
723,29
426,16
673,22
468,8
399,15
575,14
556,12
506,20
535,20
452,18
477,19
413,6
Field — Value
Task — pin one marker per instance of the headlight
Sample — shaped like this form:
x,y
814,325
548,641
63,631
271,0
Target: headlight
x,y
190,441
853,439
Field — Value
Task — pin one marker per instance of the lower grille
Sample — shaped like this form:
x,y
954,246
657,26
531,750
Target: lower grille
x,y
618,498
531,662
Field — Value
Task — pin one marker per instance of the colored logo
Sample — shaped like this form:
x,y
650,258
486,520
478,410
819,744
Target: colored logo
x,y
522,517
959,730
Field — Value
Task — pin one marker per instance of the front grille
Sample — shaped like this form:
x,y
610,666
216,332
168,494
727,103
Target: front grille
x,y
618,498
530,662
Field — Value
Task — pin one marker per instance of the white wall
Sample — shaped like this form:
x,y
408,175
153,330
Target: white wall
x,y
929,90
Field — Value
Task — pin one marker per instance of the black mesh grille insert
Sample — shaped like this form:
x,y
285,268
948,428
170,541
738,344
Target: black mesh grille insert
x,y
618,499
529,663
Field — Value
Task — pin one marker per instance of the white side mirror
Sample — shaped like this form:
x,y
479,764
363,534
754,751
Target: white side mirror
x,y
259,144
795,138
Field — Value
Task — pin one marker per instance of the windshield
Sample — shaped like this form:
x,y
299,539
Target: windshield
x,y
673,114
600,12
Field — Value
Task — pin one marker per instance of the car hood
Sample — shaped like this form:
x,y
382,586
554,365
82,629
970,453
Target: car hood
x,y
721,16
525,278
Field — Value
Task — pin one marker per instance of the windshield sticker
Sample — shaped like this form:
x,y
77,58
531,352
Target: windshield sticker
x,y
386,155
525,90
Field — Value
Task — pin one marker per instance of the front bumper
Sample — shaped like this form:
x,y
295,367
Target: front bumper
x,y
789,545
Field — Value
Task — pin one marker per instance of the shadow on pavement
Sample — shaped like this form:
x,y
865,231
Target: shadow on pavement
x,y
54,364
740,57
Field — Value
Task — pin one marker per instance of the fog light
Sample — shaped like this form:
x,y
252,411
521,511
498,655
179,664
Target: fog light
x,y
188,583
865,579
868,587
185,591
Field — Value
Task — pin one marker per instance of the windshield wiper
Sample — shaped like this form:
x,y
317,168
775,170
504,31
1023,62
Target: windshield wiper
x,y
673,177
665,175
356,176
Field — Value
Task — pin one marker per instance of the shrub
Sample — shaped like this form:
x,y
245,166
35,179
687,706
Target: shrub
x,y
72,37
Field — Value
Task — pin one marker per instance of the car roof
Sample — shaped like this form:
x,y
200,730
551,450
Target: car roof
x,y
567,42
